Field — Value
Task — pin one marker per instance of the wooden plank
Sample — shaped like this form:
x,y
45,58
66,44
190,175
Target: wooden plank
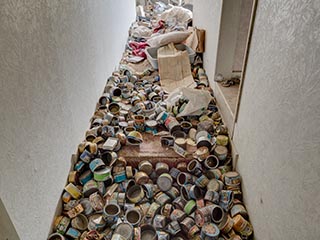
x,y
151,150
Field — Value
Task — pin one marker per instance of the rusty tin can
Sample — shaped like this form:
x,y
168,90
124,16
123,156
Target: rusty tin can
x,y
80,222
164,182
159,221
162,198
238,209
242,226
135,194
210,231
232,178
161,168
133,216
203,215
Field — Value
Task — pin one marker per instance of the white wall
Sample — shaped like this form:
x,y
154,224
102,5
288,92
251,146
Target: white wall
x,y
54,59
278,130
207,15
229,29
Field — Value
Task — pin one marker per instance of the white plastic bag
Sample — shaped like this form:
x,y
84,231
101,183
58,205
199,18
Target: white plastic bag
x,y
198,100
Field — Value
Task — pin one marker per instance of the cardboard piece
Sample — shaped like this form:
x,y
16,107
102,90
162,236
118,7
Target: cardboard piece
x,y
174,68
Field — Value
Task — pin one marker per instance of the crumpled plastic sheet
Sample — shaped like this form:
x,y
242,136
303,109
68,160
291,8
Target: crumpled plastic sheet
x,y
141,32
177,16
198,100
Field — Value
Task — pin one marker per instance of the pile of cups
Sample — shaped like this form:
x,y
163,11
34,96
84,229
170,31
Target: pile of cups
x,y
107,198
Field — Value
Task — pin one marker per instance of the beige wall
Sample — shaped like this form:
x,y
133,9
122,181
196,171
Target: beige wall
x,y
54,59
278,129
207,15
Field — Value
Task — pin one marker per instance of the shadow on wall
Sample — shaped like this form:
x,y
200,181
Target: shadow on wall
x,y
8,232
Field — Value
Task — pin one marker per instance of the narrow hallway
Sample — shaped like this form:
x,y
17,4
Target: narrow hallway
x,y
159,119
156,162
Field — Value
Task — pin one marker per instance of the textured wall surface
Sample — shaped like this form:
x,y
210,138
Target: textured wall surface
x,y
54,59
207,15
278,129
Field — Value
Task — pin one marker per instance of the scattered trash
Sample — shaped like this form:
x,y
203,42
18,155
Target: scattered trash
x,y
109,197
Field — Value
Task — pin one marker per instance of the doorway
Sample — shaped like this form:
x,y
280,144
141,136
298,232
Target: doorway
x,y
235,27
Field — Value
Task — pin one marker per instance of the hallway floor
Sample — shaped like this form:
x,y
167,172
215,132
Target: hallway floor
x,y
145,170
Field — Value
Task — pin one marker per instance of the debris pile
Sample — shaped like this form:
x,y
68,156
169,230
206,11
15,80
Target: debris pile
x,y
109,197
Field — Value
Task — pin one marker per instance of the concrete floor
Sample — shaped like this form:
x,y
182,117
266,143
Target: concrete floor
x,y
231,95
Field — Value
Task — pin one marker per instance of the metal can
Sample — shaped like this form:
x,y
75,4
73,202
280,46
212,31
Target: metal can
x,y
85,177
56,236
151,126
213,185
190,207
226,225
173,192
62,224
96,201
186,126
184,178
141,178
164,182
172,124
242,226
161,168
162,235
177,215
111,213
187,224
162,198
217,214
153,210
80,222
226,199
135,193
194,167
194,230
148,232
73,191
159,221
125,230
179,203
202,181
174,172
212,196
133,217
203,138
185,191
222,140
73,233
149,190
232,178
162,117
203,215
166,210
221,152
210,231
202,153
238,209
195,192
139,122
90,187
211,162
120,176
214,174
102,174
145,166
173,227
96,222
